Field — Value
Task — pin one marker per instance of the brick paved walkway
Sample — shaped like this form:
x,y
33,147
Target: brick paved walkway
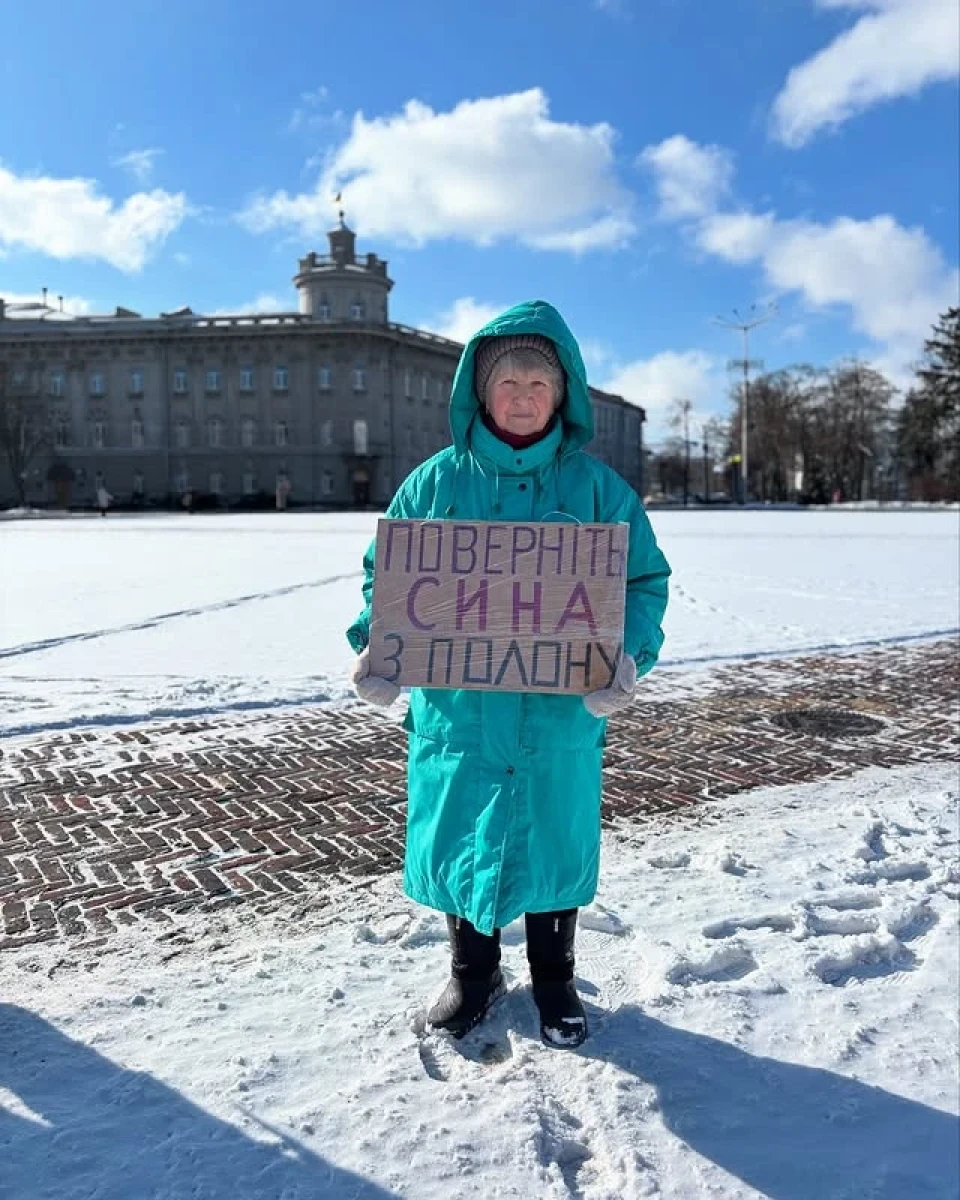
x,y
102,828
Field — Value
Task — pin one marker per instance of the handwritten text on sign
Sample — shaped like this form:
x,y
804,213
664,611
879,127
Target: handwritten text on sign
x,y
498,605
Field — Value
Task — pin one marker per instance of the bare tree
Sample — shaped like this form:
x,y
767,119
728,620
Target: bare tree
x,y
25,430
679,421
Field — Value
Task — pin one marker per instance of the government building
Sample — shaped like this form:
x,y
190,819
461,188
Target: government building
x,y
331,406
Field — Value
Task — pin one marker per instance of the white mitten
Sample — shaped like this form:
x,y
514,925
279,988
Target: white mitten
x,y
372,688
608,700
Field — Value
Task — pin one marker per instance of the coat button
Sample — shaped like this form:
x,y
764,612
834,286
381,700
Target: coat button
x,y
510,770
519,462
523,487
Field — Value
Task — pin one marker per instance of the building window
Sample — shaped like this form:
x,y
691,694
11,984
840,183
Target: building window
x,y
248,432
326,484
281,379
97,387
182,434
215,432
326,434
136,435
357,310
213,381
280,433
216,483
138,488
136,382
58,383
249,483
246,379
408,383
360,441
62,438
324,379
410,437
181,481
359,380
323,311
19,378
180,382
440,391
425,387
99,434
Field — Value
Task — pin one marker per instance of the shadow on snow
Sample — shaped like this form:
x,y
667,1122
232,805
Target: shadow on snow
x,y
102,1130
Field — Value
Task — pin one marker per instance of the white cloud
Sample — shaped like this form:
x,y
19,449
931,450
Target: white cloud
x,y
485,171
73,306
309,114
266,302
613,8
597,356
690,178
895,49
739,237
462,320
139,163
607,233
655,383
70,218
893,280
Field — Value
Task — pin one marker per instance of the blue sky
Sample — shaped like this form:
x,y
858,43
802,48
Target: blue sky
x,y
643,164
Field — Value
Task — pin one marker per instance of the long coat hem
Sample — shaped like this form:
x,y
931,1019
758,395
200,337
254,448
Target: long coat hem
x,y
431,897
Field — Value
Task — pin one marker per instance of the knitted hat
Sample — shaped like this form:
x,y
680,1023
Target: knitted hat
x,y
492,349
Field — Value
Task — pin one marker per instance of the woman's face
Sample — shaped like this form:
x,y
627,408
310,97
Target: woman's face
x,y
521,400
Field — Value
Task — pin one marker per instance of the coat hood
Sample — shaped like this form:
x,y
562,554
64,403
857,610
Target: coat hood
x,y
532,316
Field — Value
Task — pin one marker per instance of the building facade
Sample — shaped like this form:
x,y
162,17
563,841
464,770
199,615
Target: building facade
x,y
332,405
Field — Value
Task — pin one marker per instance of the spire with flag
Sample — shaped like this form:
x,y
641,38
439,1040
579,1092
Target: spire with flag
x,y
338,199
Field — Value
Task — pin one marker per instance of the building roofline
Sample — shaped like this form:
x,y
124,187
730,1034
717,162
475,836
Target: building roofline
x,y
183,324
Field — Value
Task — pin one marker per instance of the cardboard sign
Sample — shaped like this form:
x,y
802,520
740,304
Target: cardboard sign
x,y
499,605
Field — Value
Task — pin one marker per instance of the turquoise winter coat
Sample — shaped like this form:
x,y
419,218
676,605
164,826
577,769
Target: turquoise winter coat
x,y
504,789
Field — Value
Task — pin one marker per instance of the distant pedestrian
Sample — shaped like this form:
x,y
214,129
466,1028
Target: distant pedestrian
x,y
103,499
187,501
282,492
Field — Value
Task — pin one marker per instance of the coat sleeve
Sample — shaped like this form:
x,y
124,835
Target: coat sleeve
x,y
403,506
647,574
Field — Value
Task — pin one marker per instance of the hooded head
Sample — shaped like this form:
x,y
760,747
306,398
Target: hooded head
x,y
535,325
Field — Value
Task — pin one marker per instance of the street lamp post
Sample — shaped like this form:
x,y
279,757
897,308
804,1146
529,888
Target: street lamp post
x,y
754,318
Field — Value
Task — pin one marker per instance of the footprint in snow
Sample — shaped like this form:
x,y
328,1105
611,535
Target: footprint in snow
x,y
670,862
725,929
602,920
874,957
893,872
850,901
724,965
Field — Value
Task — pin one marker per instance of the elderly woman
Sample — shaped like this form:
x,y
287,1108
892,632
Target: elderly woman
x,y
504,788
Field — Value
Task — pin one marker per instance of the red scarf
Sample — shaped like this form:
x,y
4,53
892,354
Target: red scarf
x,y
518,441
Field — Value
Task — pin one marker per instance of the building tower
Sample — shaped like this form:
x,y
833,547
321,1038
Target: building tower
x,y
341,287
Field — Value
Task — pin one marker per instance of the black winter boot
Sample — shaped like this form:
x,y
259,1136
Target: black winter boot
x,y
475,979
550,940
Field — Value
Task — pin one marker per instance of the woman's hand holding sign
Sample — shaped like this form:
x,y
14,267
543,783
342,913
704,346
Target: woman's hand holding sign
x,y
372,688
606,701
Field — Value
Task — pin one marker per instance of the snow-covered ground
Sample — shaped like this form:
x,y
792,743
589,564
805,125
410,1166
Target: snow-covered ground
x,y
772,991
127,618
771,981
